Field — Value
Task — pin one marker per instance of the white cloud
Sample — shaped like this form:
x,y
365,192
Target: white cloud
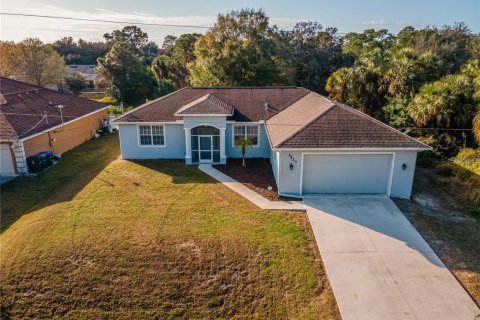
x,y
18,28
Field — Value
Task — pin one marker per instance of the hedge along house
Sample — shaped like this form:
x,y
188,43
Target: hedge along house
x,y
315,145
35,119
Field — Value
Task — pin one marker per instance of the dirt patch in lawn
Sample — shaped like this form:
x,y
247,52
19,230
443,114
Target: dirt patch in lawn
x,y
439,214
257,175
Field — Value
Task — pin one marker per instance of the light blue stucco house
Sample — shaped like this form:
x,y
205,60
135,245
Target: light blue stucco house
x,y
315,145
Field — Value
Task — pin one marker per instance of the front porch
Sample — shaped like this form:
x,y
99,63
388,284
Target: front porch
x,y
205,144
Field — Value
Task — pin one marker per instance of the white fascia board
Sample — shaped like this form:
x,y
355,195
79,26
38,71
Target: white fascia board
x,y
202,115
351,149
150,122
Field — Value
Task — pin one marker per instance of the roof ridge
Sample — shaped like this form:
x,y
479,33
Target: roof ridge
x,y
210,98
246,87
37,88
146,104
295,99
22,82
321,114
372,119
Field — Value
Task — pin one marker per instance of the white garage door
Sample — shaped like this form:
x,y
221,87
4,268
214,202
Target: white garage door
x,y
6,162
346,173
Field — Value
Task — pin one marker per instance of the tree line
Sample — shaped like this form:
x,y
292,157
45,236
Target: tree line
x,y
425,82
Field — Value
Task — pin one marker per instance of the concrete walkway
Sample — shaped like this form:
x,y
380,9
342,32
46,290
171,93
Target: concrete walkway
x,y
379,266
248,193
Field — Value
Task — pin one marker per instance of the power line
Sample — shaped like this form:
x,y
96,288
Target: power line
x,y
44,117
35,115
113,21
100,20
437,129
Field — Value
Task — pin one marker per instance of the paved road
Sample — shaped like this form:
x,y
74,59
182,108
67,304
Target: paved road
x,y
378,264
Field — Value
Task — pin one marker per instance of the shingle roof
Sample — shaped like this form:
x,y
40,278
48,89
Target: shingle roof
x,y
208,104
250,103
294,118
6,130
23,113
342,126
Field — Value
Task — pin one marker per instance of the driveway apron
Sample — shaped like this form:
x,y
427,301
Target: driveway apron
x,y
379,266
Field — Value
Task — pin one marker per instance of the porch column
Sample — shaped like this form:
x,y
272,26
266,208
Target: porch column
x,y
223,157
188,147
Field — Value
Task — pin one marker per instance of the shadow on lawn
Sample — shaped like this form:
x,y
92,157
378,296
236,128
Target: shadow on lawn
x,y
177,170
59,183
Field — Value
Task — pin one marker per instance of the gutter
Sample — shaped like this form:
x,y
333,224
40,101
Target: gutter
x,y
352,149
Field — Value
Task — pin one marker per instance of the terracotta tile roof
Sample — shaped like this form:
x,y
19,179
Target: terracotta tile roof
x,y
294,118
249,103
208,104
342,126
30,109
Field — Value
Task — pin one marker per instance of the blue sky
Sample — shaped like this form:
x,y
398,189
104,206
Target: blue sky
x,y
346,15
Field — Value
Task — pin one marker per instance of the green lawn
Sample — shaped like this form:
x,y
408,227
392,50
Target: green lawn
x,y
96,237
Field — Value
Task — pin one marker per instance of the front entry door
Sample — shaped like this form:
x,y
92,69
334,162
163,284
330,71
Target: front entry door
x,y
205,149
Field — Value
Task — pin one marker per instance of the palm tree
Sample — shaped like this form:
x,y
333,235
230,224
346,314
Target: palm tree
x,y
243,143
338,84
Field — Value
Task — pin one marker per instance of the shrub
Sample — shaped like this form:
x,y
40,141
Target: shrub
x,y
469,158
444,169
427,159
117,110
108,99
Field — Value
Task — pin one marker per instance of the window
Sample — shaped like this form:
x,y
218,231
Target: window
x,y
249,132
151,135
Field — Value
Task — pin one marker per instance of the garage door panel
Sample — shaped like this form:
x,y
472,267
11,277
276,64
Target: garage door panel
x,y
346,173
6,162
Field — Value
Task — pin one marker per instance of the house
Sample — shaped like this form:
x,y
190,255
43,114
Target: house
x,y
35,119
89,73
315,145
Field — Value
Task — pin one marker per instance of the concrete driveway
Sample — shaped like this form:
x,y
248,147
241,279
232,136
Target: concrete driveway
x,y
378,264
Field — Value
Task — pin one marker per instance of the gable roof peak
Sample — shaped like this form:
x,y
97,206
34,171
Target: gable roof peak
x,y
208,104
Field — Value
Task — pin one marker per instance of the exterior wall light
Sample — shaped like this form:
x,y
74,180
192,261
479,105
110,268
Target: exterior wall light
x,y
404,166
291,166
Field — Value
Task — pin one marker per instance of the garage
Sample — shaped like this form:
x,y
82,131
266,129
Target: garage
x,y
6,162
347,173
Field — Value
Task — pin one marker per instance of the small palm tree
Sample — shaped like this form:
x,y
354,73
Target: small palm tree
x,y
243,143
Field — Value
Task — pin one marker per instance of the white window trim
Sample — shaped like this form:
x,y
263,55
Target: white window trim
x,y
245,125
151,134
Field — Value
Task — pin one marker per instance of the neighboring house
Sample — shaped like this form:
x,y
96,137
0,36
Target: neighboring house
x,y
35,119
315,145
89,73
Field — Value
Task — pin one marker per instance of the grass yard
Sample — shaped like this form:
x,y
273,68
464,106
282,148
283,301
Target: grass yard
x,y
446,214
96,237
